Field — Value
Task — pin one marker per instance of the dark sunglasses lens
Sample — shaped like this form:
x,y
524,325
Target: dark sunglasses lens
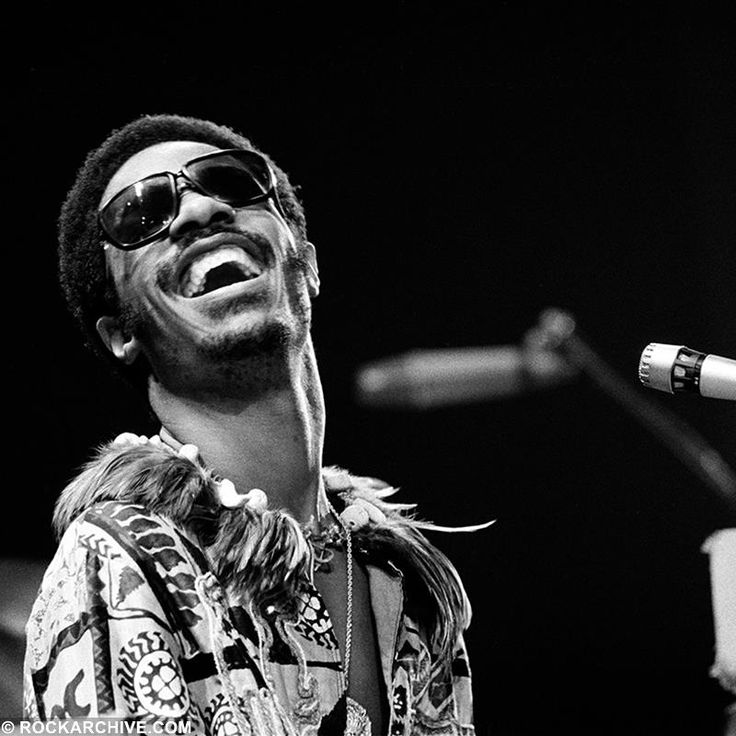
x,y
140,211
237,178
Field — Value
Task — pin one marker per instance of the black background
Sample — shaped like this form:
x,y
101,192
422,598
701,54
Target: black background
x,y
461,169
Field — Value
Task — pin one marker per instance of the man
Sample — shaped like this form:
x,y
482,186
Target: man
x,y
216,574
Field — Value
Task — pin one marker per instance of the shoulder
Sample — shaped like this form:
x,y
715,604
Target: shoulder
x,y
114,554
387,531
136,529
148,474
122,584
385,528
117,529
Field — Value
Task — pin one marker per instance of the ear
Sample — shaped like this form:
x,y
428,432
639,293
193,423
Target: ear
x,y
122,347
313,275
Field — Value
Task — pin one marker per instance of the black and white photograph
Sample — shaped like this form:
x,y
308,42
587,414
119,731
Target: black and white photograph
x,y
372,371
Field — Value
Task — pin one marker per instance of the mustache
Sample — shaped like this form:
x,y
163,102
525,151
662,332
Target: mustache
x,y
216,228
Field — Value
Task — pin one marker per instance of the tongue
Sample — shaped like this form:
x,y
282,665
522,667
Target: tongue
x,y
223,275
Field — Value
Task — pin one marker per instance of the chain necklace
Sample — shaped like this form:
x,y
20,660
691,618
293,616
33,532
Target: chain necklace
x,y
320,558
357,721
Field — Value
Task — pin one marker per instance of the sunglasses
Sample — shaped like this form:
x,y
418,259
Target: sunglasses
x,y
143,211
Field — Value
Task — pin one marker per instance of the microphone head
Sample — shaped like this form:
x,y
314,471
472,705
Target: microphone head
x,y
655,366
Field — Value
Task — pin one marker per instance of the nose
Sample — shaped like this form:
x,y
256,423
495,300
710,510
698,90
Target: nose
x,y
196,211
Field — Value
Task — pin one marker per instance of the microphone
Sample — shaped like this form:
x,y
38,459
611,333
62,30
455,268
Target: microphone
x,y
421,379
678,369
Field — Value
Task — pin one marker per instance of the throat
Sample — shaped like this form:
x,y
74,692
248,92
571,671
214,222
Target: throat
x,y
258,438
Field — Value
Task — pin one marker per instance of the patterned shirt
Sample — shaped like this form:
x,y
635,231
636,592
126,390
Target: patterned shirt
x,y
131,623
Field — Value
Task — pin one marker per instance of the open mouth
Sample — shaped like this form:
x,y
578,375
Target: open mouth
x,y
217,269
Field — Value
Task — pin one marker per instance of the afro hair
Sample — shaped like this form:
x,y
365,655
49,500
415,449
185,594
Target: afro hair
x,y
82,270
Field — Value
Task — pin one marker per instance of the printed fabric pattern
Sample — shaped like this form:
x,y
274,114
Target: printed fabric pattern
x,y
131,623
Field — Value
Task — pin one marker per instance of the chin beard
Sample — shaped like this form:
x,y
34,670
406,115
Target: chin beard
x,y
270,339
255,361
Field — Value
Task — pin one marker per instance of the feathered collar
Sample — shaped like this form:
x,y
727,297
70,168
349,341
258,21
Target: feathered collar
x,y
262,555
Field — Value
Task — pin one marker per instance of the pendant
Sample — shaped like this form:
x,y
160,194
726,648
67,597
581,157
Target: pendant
x,y
358,723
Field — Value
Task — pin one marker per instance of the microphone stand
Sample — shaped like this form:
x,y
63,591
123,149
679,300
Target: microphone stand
x,y
556,331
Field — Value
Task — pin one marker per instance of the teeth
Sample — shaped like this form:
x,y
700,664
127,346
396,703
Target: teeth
x,y
195,277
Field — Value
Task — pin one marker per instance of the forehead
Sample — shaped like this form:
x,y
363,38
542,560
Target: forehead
x,y
166,156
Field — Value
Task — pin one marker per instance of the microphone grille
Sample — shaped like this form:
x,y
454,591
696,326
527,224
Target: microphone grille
x,y
645,363
656,364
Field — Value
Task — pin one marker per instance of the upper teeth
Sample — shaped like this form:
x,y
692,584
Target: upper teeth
x,y
195,276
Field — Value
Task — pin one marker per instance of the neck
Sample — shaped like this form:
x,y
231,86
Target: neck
x,y
269,439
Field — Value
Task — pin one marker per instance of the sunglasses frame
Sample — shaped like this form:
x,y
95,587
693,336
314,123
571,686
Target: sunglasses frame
x,y
184,173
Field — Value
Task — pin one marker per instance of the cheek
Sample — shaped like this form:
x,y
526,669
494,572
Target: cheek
x,y
272,226
136,275
288,240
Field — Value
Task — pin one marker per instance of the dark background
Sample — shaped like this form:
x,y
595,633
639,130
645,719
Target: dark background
x,y
461,170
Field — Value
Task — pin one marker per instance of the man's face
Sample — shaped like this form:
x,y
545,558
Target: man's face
x,y
221,283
